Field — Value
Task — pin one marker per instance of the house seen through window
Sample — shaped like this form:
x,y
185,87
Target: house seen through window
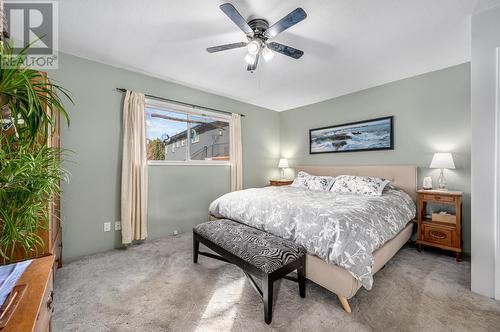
x,y
179,134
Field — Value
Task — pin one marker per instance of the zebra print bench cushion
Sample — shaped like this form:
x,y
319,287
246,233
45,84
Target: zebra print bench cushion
x,y
263,250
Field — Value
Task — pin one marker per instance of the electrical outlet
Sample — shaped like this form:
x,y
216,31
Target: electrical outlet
x,y
118,225
176,232
107,226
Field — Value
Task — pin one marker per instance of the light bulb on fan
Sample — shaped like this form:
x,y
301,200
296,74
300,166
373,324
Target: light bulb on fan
x,y
249,58
267,53
253,47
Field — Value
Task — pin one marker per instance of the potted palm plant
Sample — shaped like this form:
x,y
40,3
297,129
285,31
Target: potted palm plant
x,y
30,169
28,99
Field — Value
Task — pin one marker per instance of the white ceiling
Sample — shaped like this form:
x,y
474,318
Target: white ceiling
x,y
349,45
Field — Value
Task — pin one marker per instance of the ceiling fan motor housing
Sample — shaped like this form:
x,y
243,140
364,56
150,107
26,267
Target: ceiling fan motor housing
x,y
259,26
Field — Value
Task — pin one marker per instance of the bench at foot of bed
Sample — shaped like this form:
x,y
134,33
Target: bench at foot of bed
x,y
257,253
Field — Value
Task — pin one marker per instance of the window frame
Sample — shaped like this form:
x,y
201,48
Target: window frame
x,y
172,107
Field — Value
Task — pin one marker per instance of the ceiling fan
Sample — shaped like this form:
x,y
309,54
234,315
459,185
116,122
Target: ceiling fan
x,y
258,33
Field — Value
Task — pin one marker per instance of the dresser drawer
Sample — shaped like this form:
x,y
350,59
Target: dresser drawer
x,y
438,235
45,314
439,198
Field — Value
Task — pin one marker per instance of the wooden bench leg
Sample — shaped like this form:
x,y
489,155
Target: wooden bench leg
x,y
196,249
345,303
301,276
267,290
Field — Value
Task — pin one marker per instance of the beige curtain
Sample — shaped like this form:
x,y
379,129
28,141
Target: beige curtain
x,y
236,153
134,170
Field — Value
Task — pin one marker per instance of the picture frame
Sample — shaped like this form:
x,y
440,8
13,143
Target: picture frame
x,y
367,135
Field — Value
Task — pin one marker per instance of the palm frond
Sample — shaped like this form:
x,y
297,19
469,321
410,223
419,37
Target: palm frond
x,y
33,97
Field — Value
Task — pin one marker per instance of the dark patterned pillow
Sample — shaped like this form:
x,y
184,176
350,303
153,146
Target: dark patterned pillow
x,y
359,185
312,182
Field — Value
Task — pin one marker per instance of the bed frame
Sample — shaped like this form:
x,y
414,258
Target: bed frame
x,y
335,278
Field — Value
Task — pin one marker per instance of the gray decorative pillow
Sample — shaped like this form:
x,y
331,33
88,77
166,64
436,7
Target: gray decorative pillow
x,y
312,182
359,185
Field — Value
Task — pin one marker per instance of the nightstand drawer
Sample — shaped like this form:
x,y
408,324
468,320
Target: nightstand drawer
x,y
439,198
438,235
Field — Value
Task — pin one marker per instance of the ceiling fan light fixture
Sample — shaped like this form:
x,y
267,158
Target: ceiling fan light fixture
x,y
253,47
258,32
267,54
249,58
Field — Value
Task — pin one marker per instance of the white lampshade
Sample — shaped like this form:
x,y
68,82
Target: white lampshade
x,y
283,163
442,160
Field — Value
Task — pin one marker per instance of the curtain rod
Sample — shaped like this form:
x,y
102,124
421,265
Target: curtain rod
x,y
183,103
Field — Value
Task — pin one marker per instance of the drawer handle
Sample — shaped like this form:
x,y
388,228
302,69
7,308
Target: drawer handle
x,y
50,301
438,235
437,197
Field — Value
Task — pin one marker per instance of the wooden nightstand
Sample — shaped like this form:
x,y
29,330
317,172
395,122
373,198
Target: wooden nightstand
x,y
280,182
446,233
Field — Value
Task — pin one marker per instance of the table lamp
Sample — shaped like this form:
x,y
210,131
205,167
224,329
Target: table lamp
x,y
442,161
282,165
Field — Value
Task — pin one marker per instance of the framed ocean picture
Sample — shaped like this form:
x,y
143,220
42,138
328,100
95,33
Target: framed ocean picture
x,y
368,135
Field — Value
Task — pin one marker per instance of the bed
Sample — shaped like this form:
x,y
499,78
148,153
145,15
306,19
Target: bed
x,y
348,238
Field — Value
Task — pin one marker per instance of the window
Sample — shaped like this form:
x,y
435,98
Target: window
x,y
189,135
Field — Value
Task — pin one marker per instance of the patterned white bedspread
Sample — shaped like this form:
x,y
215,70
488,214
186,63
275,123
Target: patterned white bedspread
x,y
341,229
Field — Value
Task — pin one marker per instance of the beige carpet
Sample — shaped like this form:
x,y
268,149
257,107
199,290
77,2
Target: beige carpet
x,y
156,287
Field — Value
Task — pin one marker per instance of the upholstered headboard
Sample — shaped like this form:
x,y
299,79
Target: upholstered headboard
x,y
401,176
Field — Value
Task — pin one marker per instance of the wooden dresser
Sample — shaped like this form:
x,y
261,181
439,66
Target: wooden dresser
x,y
437,230
34,310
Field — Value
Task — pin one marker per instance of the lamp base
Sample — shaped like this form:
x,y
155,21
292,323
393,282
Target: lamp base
x,y
442,182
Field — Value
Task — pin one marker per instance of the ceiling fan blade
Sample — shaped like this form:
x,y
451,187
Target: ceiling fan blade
x,y
225,47
236,17
286,22
252,66
286,50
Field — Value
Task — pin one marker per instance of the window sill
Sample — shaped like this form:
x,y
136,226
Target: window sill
x,y
188,163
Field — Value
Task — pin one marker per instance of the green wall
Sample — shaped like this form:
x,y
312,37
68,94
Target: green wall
x,y
179,195
431,114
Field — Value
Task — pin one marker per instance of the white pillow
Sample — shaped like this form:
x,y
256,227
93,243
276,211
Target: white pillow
x,y
312,182
359,185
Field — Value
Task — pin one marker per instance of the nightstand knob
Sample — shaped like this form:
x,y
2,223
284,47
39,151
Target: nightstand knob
x,y
50,301
437,235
